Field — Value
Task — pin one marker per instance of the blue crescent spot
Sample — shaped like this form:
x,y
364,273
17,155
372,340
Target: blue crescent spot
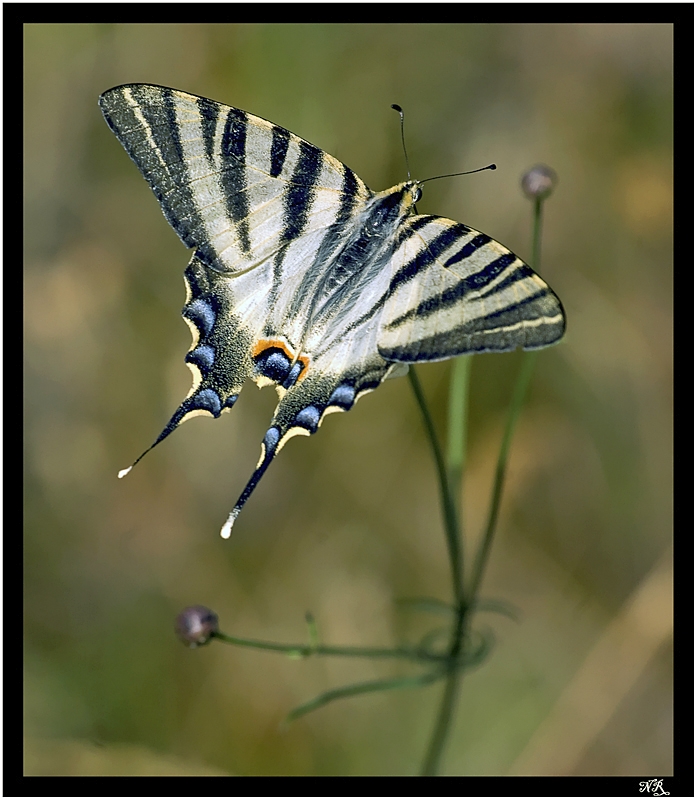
x,y
274,365
293,375
203,356
202,315
208,400
343,396
230,402
308,418
271,439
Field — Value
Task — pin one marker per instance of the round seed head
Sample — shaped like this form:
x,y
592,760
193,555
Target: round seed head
x,y
539,182
195,625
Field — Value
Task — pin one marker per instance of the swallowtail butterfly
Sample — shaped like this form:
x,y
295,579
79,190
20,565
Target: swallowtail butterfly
x,y
305,279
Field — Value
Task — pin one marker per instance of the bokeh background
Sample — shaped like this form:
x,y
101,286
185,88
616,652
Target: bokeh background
x,y
347,523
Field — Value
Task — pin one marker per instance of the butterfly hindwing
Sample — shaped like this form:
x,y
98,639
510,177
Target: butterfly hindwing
x,y
304,279
455,290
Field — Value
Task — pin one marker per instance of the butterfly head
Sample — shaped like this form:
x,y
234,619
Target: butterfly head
x,y
400,201
411,191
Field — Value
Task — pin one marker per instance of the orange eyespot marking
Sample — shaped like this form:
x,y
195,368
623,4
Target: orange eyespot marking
x,y
268,344
263,353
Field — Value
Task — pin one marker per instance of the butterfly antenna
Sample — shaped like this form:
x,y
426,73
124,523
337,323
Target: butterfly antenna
x,y
398,109
455,174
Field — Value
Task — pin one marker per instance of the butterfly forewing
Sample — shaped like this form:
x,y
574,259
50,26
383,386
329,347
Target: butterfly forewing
x,y
234,186
302,277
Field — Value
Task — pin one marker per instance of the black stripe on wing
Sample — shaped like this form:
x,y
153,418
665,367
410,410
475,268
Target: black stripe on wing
x,y
301,191
172,124
455,293
280,138
233,178
297,200
209,120
164,168
349,191
427,257
412,225
518,274
468,249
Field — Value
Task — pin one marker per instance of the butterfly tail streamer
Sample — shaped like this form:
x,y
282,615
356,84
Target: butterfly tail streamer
x,y
269,448
302,410
171,426
203,402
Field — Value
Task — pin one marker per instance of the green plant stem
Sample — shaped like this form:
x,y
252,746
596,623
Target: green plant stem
x,y
363,688
536,234
450,479
442,727
306,650
456,457
457,428
450,517
521,387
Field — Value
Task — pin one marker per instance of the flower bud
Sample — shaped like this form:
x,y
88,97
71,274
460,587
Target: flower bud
x,y
539,182
195,625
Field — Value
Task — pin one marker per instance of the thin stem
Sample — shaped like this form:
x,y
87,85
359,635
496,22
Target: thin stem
x,y
457,427
442,727
536,234
521,387
450,519
362,688
313,649
456,457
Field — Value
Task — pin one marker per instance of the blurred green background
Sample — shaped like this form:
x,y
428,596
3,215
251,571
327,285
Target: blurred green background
x,y
347,522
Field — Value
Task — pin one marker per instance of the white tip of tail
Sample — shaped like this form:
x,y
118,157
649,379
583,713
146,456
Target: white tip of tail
x,y
226,530
124,472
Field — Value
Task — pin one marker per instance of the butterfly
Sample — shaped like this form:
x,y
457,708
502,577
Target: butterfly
x,y
302,277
